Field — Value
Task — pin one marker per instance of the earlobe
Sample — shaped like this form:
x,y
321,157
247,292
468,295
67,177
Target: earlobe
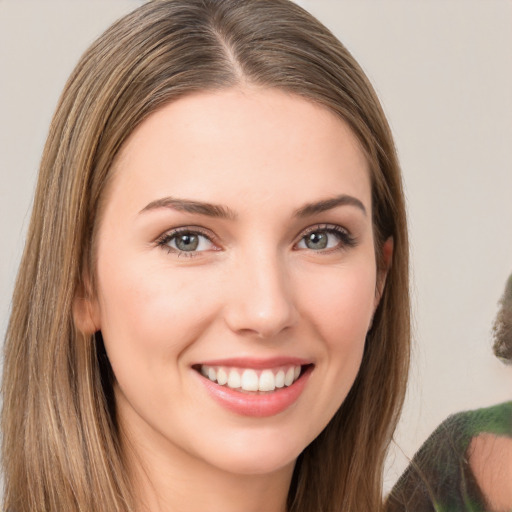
x,y
86,312
387,260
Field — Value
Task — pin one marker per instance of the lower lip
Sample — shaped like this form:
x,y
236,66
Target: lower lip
x,y
256,405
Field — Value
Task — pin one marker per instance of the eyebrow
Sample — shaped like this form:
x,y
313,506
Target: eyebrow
x,y
223,212
328,204
189,206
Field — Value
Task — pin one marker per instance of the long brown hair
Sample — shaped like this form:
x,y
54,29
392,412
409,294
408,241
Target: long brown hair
x,y
60,440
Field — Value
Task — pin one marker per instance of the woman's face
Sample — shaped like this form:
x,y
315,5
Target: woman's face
x,y
235,249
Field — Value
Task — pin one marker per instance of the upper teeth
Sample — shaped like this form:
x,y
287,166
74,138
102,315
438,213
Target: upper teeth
x,y
252,380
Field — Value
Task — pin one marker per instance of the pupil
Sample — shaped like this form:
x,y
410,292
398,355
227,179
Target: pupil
x,y
317,241
187,242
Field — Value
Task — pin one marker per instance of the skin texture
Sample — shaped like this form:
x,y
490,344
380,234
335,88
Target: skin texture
x,y
490,458
253,289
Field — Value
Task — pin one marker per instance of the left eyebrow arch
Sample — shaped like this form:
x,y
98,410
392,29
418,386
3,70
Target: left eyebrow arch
x,y
189,206
328,204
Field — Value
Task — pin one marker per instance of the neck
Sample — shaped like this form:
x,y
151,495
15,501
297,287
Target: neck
x,y
171,481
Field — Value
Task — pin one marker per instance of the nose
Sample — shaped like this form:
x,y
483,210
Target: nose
x,y
261,301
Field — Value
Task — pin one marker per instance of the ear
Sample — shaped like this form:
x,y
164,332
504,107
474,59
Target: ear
x,y
382,273
86,312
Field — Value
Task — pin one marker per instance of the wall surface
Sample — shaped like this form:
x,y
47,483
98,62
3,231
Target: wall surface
x,y
443,71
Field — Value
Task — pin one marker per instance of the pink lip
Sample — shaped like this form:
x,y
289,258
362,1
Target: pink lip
x,y
256,405
257,363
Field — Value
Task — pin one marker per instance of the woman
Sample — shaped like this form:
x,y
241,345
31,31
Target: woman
x,y
212,308
466,464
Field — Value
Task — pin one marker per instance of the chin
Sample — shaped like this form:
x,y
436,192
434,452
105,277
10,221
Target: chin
x,y
255,458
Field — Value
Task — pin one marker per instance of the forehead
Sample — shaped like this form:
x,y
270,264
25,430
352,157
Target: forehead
x,y
242,143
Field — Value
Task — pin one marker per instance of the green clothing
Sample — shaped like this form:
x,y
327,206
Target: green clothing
x,y
439,477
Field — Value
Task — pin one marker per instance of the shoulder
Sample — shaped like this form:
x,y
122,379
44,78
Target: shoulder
x,y
463,426
439,476
490,459
493,420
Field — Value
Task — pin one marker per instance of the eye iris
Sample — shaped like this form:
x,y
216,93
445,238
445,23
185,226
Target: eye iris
x,y
187,242
317,240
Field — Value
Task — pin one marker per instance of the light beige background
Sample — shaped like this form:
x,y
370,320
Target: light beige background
x,y
443,70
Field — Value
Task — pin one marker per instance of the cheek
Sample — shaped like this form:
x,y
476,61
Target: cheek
x,y
341,305
150,310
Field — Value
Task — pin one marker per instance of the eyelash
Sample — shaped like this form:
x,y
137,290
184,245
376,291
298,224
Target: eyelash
x,y
166,238
346,240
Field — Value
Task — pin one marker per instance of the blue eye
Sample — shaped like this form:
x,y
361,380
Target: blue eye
x,y
325,238
186,241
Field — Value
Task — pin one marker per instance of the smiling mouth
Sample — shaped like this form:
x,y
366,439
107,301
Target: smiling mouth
x,y
253,381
